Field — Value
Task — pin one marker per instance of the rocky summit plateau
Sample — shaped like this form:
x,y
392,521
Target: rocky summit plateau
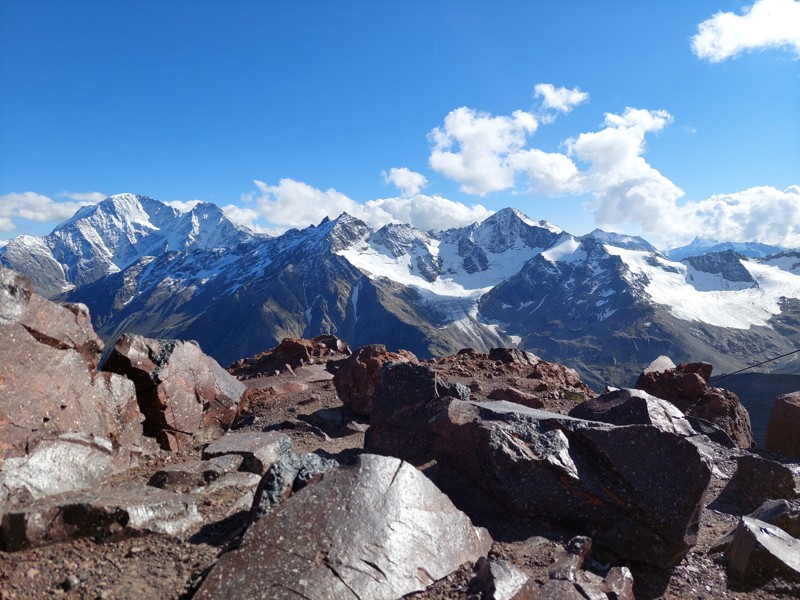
x,y
318,469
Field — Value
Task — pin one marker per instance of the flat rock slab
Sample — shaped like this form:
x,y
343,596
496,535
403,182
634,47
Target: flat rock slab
x,y
760,551
259,450
73,461
107,514
195,473
636,489
377,530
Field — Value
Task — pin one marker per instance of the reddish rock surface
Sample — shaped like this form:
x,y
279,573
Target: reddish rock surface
x,y
686,387
783,430
184,395
48,382
291,353
359,377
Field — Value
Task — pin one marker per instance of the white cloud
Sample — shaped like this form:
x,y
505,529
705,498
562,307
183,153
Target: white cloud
x,y
296,204
763,214
87,197
477,149
765,24
183,205
560,99
34,207
407,181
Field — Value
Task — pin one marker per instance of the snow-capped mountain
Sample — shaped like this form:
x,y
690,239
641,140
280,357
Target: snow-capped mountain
x,y
604,302
704,246
113,234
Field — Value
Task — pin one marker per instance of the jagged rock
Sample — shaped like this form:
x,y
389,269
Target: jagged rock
x,y
496,579
639,489
513,355
72,461
758,479
511,394
48,382
379,529
760,551
783,430
108,514
558,376
359,377
258,449
289,474
686,387
291,353
195,473
570,563
184,395
784,514
634,407
404,404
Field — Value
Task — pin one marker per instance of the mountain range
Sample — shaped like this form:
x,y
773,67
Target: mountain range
x,y
604,303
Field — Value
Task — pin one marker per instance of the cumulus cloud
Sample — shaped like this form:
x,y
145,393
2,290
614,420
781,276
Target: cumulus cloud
x,y
407,181
297,204
765,24
559,99
34,207
764,214
87,197
478,150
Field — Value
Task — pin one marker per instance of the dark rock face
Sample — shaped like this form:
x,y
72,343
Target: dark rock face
x,y
358,378
48,382
639,489
757,480
291,353
634,407
405,402
783,431
377,530
108,514
760,551
686,387
184,395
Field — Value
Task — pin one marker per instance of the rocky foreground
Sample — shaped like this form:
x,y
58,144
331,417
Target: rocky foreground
x,y
310,471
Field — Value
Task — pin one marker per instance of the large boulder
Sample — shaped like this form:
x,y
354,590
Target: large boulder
x,y
760,551
635,489
783,430
48,382
686,386
185,396
379,529
358,378
759,479
114,513
408,397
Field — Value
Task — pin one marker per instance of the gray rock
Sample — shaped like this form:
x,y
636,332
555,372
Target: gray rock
x,y
73,461
781,513
571,561
496,579
758,479
107,514
760,551
639,489
258,449
290,473
377,530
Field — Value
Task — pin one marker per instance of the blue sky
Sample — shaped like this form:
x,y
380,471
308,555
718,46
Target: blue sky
x,y
286,112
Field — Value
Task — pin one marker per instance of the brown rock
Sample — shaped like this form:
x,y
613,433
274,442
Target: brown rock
x,y
184,395
291,353
48,382
555,376
359,376
517,396
379,529
783,430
